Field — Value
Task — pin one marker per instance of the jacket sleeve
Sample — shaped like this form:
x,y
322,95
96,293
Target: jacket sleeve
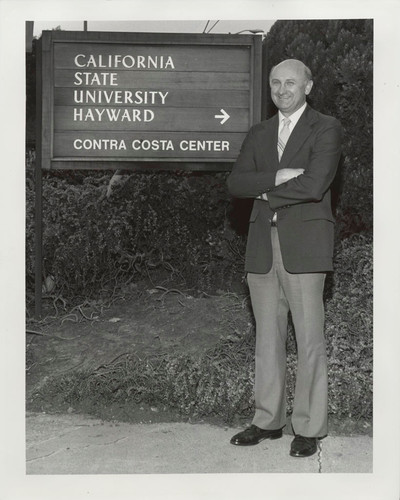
x,y
319,170
245,181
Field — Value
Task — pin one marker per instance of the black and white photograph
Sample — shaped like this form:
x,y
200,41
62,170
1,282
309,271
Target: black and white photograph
x,y
201,270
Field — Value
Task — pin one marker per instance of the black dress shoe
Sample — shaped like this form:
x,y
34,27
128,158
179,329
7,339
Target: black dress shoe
x,y
303,446
254,435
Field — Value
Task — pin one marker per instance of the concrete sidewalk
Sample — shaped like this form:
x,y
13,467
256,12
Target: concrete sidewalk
x,y
77,444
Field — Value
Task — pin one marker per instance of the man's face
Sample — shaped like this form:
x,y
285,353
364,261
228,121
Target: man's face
x,y
289,87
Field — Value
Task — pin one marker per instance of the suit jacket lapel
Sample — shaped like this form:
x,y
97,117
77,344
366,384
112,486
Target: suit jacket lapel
x,y
300,133
269,149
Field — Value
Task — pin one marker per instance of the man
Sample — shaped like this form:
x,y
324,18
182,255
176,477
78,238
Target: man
x,y
287,164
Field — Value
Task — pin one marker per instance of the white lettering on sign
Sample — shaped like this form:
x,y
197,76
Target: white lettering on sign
x,y
192,145
107,144
119,97
128,61
89,78
154,145
113,115
197,145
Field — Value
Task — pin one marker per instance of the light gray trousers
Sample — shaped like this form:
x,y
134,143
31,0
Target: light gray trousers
x,y
272,296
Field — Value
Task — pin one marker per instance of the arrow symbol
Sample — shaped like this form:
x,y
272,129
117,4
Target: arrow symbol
x,y
224,116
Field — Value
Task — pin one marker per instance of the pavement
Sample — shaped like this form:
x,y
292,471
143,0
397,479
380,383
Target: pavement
x,y
79,444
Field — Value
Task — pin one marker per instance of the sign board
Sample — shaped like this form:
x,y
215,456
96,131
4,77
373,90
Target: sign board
x,y
140,101
129,100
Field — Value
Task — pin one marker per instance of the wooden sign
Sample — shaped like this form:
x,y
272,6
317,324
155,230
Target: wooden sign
x,y
132,100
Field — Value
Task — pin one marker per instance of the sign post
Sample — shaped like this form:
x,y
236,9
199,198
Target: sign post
x,y
141,101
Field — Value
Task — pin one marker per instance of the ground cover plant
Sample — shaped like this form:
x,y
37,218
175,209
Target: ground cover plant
x,y
219,382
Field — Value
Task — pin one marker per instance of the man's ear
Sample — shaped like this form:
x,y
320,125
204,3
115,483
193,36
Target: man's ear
x,y
308,88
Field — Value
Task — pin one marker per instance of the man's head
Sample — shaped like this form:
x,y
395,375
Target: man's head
x,y
290,81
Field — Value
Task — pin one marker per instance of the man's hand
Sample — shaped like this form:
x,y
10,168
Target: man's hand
x,y
285,174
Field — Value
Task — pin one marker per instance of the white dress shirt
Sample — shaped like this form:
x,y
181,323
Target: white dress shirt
x,y
294,118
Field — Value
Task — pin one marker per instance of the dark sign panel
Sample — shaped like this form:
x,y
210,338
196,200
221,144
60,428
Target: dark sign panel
x,y
136,97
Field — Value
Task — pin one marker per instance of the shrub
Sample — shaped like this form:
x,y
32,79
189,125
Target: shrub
x,y
154,221
349,329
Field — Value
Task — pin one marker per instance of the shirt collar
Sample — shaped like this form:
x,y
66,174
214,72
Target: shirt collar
x,y
294,118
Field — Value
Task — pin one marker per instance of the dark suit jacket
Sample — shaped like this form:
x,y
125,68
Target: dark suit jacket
x,y
303,204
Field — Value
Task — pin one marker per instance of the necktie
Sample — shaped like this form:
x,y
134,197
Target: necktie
x,y
283,137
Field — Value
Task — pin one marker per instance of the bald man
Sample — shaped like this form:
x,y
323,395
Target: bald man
x,y
287,164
